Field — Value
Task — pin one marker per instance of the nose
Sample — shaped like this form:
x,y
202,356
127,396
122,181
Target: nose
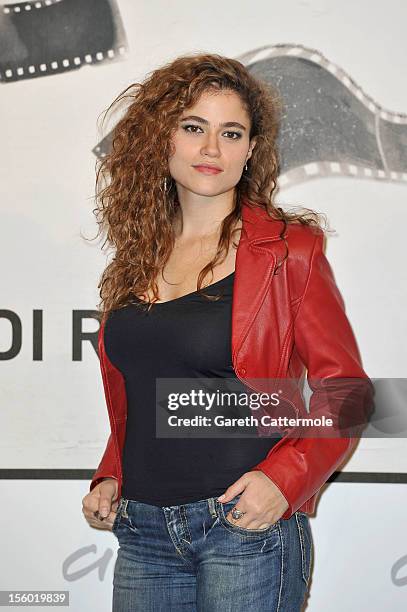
x,y
211,145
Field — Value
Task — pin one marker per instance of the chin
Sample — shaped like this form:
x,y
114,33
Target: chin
x,y
199,190
207,190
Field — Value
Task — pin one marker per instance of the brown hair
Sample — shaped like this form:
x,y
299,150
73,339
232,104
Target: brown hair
x,y
132,206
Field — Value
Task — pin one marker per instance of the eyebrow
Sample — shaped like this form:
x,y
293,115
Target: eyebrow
x,y
205,122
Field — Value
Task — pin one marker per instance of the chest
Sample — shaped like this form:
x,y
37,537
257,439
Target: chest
x,y
180,274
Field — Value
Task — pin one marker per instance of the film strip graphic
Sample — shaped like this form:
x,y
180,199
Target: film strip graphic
x,y
330,126
52,36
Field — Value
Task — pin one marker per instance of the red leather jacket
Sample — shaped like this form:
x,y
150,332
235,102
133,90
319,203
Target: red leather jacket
x,y
285,319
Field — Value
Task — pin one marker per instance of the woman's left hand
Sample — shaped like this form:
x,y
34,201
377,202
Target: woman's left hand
x,y
260,499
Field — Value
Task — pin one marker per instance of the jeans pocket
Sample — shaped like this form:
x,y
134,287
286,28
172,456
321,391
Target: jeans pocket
x,y
225,508
306,545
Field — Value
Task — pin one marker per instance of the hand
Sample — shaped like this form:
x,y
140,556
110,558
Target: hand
x,y
102,499
260,499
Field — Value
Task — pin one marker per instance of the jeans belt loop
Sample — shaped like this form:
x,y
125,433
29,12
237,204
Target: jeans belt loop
x,y
212,509
124,507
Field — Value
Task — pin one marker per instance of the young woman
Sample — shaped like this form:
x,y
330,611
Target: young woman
x,y
207,523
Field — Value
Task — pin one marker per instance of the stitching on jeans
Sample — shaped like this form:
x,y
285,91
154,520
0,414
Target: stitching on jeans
x,y
169,530
302,546
124,514
211,527
170,534
281,566
184,520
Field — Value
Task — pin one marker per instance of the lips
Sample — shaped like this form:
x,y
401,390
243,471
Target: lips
x,y
208,169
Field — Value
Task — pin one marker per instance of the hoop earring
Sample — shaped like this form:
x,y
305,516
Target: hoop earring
x,y
245,167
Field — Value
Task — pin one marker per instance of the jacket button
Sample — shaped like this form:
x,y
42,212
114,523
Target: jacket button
x,y
242,370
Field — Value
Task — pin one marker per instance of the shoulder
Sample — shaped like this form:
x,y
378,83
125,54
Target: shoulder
x,y
305,247
294,242
302,240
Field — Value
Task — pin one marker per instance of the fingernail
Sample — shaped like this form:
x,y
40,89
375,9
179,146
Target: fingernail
x,y
221,497
104,512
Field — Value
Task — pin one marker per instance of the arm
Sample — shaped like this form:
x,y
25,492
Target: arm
x,y
107,467
325,343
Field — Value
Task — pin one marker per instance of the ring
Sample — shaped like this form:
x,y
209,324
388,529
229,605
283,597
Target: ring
x,y
237,514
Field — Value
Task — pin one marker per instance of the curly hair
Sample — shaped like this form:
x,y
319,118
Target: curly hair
x,y
134,210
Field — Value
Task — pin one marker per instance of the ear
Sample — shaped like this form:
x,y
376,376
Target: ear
x,y
251,147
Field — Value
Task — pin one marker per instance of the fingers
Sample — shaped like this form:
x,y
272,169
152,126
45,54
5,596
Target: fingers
x,y
90,504
107,493
105,504
106,523
247,521
98,508
95,521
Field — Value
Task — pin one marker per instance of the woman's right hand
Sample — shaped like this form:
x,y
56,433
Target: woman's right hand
x,y
100,505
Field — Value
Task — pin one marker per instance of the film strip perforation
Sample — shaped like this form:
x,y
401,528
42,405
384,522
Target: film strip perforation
x,y
315,56
316,169
65,63
19,8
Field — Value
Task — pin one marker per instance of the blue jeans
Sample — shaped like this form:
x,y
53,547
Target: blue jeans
x,y
189,558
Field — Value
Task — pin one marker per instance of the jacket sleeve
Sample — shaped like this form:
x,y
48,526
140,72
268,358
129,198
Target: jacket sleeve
x,y
107,467
325,343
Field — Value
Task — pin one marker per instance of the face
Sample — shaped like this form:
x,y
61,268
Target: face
x,y
215,131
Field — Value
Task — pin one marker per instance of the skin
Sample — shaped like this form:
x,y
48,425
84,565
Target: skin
x,y
204,201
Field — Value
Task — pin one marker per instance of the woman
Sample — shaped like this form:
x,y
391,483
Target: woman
x,y
210,522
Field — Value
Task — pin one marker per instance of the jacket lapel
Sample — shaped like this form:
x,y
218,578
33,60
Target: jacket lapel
x,y
259,250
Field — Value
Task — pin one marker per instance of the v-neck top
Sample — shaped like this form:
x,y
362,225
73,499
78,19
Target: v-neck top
x,y
188,337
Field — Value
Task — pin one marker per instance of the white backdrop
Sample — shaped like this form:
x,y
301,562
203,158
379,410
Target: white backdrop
x,y
53,408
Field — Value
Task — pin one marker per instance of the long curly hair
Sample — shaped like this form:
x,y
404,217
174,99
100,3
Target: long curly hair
x,y
136,198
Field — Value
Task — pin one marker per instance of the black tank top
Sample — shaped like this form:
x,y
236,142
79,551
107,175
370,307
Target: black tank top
x,y
187,337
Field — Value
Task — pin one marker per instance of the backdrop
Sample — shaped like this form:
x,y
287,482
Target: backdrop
x,y
339,68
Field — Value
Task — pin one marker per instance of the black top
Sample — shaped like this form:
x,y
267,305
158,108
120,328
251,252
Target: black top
x,y
187,337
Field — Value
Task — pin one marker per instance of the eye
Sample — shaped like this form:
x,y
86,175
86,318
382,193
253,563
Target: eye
x,y
236,135
185,127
